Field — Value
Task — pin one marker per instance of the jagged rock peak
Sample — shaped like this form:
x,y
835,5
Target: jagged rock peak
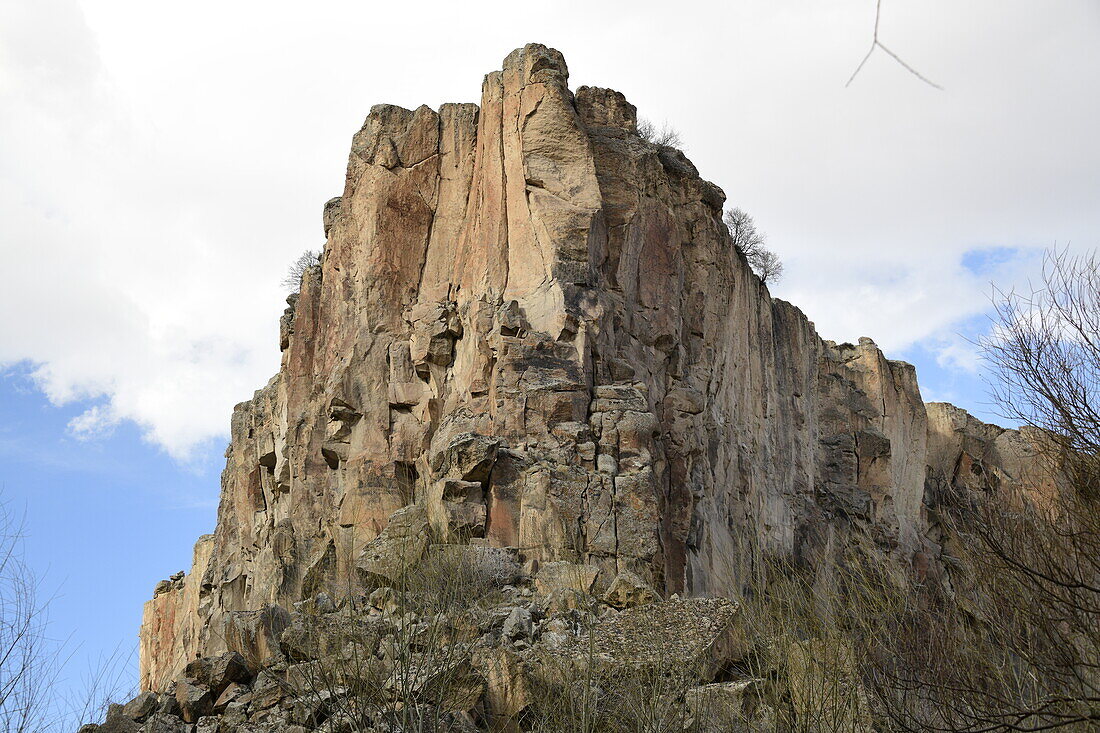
x,y
531,334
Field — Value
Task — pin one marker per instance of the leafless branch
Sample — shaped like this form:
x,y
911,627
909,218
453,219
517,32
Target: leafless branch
x,y
751,242
293,280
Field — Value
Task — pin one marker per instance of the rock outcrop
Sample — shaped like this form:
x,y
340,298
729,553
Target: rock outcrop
x,y
530,330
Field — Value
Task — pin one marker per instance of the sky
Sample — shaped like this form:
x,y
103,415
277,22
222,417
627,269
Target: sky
x,y
161,164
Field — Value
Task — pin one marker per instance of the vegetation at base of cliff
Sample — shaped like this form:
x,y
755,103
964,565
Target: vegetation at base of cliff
x,y
1010,638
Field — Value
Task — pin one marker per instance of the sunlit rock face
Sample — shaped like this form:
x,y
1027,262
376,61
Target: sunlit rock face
x,y
531,324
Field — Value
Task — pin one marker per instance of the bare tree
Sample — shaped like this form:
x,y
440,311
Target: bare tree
x,y
666,135
1045,354
751,242
1011,642
28,657
110,677
293,280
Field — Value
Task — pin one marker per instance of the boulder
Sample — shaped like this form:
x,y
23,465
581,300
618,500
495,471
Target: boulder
x,y
142,706
628,590
216,673
232,692
117,722
397,549
722,706
254,635
195,700
518,625
163,723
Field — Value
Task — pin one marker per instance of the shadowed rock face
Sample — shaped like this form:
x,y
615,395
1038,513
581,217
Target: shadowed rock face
x,y
532,324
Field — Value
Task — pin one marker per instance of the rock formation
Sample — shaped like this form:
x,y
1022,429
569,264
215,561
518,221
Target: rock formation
x,y
530,331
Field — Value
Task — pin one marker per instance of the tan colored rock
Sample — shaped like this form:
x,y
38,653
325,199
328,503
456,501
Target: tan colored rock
x,y
628,590
254,636
530,327
194,700
724,706
557,576
507,690
400,546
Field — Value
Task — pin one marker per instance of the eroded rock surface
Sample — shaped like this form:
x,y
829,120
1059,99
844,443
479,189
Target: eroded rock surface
x,y
530,330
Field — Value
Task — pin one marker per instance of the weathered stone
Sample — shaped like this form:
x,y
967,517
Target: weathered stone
x,y
628,590
554,576
118,722
232,692
398,548
518,624
141,707
164,723
531,327
216,673
254,635
195,700
507,690
208,724
721,707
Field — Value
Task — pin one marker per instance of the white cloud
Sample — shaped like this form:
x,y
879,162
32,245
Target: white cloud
x,y
95,422
958,353
159,169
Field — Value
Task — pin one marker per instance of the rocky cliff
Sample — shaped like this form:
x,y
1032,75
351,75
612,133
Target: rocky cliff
x,y
530,330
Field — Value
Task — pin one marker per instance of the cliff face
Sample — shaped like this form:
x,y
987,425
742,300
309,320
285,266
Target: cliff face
x,y
531,324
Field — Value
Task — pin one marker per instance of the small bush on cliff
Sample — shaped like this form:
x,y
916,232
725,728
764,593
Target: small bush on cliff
x,y
293,280
752,242
664,135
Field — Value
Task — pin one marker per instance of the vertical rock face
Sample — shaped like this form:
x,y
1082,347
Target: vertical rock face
x,y
531,323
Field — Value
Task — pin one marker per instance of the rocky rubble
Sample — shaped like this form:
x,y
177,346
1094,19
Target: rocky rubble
x,y
490,651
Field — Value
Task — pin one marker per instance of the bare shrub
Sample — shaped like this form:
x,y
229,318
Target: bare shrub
x,y
752,243
1014,642
402,658
306,260
582,693
28,657
665,135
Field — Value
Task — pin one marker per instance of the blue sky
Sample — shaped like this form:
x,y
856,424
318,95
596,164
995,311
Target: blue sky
x,y
105,519
159,170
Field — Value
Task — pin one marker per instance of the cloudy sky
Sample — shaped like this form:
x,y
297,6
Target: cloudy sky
x,y
161,163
